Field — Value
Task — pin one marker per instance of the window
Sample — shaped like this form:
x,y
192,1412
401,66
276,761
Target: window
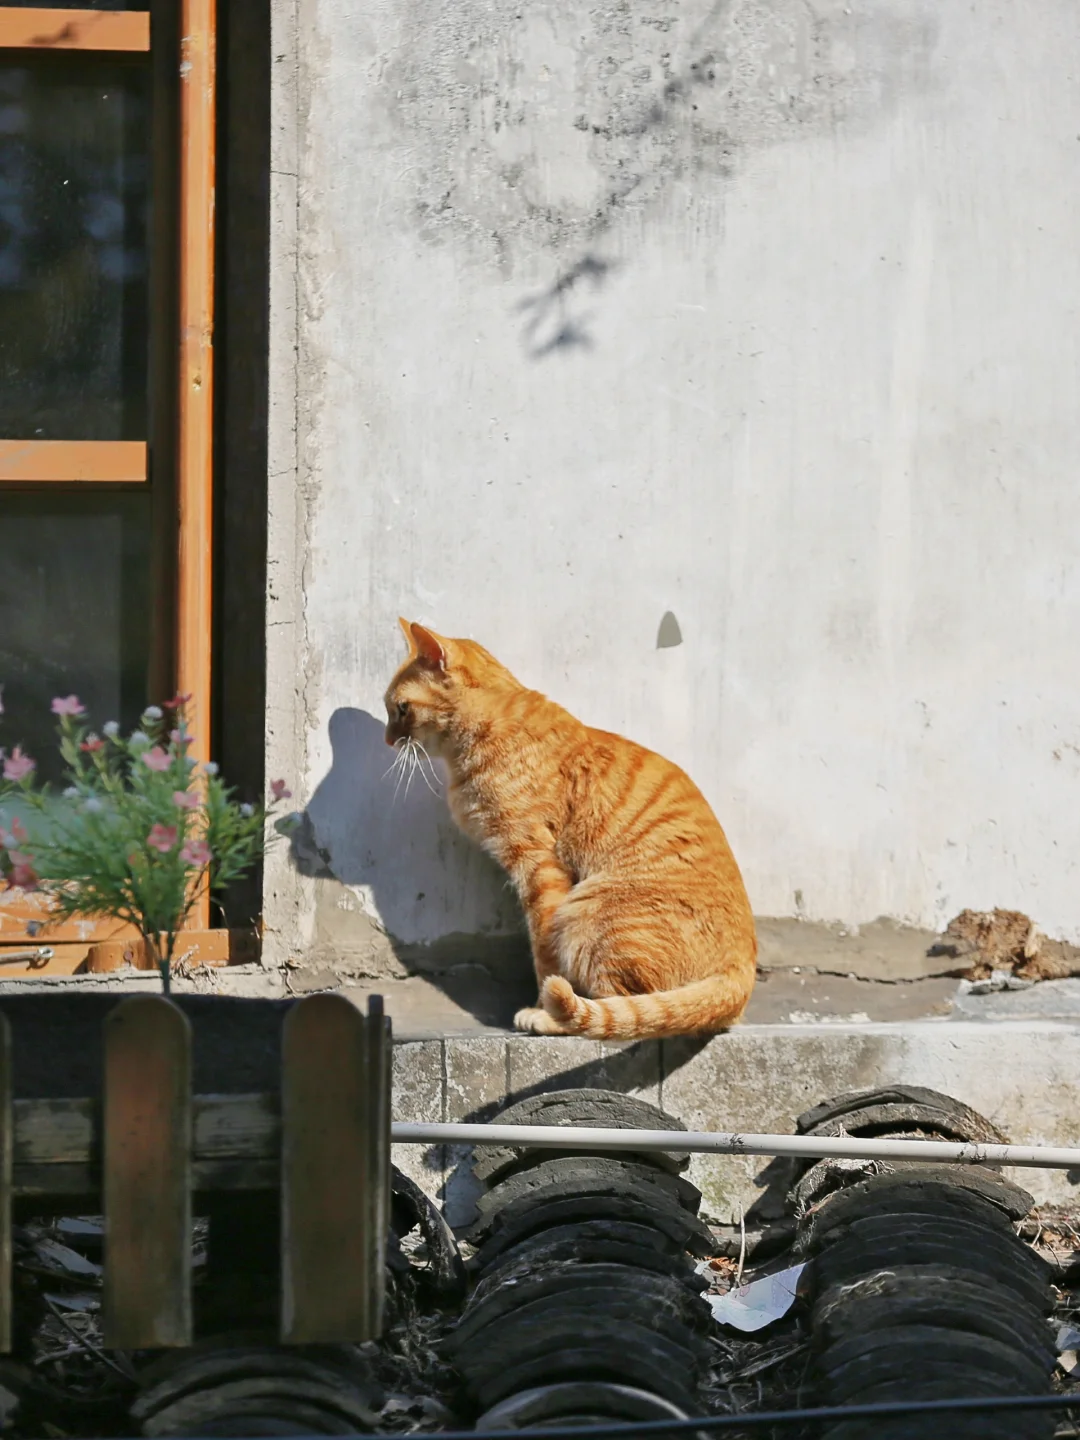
x,y
106,313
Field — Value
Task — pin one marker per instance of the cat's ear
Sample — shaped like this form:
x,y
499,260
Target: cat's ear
x,y
406,630
428,647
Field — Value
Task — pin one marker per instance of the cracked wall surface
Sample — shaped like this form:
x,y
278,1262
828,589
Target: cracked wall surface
x,y
751,313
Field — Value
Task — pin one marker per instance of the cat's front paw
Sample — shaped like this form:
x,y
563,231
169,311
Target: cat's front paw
x,y
535,1021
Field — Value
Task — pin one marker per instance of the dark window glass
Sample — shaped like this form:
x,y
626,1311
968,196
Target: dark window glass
x,y
74,611
74,177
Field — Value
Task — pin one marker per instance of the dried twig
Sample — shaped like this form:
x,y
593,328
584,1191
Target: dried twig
x,y
51,1356
84,1344
742,1245
759,1366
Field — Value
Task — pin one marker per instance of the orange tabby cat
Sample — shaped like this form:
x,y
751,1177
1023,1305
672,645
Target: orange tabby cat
x,y
637,913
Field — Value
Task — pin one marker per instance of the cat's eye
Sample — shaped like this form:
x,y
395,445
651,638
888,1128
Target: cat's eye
x,y
402,709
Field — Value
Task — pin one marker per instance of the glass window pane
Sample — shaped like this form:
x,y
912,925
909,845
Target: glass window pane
x,y
74,611
74,173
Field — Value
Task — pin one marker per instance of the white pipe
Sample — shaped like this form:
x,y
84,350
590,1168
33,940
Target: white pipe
x,y
35,958
708,1142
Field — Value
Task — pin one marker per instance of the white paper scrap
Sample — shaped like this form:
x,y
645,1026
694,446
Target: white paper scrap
x,y
758,1304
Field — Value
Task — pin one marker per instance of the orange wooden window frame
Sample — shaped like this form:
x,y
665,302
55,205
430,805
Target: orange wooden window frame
x,y
43,462
195,469
108,462
195,474
40,29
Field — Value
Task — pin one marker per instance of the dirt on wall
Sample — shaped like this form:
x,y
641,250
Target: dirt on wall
x,y
532,128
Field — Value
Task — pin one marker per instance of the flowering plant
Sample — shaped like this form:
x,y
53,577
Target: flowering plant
x,y
146,832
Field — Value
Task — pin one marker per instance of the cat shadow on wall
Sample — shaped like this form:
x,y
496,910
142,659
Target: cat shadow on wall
x,y
445,910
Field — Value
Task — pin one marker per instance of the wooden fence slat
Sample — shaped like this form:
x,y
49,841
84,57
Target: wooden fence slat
x,y
7,1146
235,1145
379,1081
146,1181
327,1174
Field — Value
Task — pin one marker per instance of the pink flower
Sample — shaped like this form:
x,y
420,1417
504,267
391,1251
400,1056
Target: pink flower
x,y
68,705
23,875
196,852
279,791
162,838
185,800
178,702
17,834
181,737
156,759
18,766
91,744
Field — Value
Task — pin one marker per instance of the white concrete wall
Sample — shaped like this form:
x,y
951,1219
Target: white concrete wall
x,y
814,390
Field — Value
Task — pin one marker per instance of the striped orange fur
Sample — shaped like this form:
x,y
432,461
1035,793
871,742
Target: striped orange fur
x,y
637,913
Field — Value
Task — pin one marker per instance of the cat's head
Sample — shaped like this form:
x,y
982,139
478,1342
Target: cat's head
x,y
424,698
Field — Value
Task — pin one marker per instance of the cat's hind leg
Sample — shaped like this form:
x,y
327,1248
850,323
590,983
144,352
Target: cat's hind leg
x,y
543,884
566,926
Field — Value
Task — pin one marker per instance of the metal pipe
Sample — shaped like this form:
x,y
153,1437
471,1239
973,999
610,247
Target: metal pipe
x,y
767,1419
708,1142
35,958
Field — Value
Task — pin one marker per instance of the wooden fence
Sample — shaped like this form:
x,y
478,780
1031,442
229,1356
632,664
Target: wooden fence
x,y
152,1145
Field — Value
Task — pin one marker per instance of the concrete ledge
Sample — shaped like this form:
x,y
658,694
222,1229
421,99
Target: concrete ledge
x,y
1014,1056
1022,1074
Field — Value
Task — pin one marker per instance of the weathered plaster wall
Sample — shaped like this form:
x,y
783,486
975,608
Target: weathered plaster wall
x,y
760,312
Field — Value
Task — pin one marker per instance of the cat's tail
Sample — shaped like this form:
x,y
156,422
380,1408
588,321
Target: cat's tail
x,y
703,1006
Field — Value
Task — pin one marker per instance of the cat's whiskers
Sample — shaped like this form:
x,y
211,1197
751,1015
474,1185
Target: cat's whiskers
x,y
401,765
399,756
434,784
411,764
411,758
